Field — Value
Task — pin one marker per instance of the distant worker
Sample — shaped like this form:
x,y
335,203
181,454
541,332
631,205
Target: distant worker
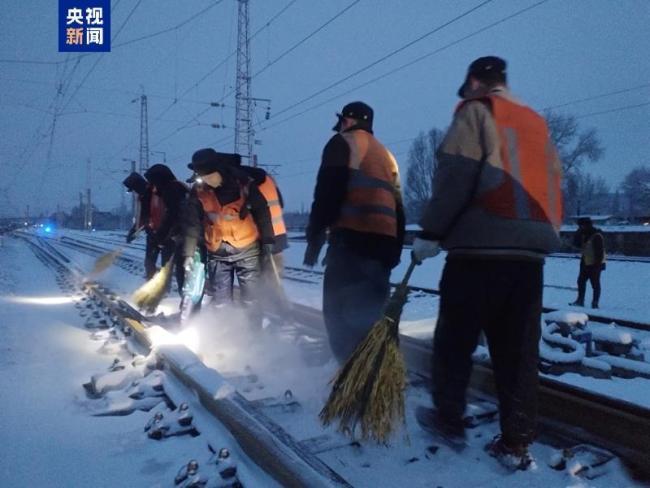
x,y
358,199
496,209
136,183
590,241
164,225
231,214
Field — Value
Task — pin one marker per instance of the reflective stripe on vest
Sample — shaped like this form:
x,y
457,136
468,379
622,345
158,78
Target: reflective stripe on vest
x,y
223,223
528,185
369,204
269,191
156,211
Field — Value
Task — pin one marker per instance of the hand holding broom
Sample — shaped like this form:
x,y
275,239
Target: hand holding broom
x,y
369,388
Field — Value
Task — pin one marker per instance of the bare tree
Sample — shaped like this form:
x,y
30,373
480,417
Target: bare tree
x,y
636,189
422,164
574,146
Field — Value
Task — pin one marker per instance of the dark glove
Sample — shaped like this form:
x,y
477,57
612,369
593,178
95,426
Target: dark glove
x,y
130,236
603,267
311,254
267,249
315,242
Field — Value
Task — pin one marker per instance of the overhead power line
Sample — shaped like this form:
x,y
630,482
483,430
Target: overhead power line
x,y
169,29
403,66
596,97
385,57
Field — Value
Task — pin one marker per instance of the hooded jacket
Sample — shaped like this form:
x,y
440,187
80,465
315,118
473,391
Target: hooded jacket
x,y
173,194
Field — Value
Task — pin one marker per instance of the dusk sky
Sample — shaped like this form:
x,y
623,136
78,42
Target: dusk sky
x,y
60,110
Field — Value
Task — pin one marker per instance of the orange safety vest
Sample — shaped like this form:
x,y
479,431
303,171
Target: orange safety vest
x,y
269,190
531,189
370,204
156,211
224,222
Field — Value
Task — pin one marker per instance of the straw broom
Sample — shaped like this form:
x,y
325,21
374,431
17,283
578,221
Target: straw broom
x,y
149,295
106,260
369,389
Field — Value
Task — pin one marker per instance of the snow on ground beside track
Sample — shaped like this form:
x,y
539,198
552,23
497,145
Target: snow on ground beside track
x,y
49,437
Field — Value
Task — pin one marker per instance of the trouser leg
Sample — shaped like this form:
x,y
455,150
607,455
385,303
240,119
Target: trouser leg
x,y
355,290
582,283
150,257
248,271
513,334
459,322
594,278
221,277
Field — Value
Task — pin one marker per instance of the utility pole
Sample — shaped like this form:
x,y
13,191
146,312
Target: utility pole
x,y
82,212
243,102
144,133
89,204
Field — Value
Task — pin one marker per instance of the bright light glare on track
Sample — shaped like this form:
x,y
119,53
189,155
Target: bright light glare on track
x,y
188,337
59,300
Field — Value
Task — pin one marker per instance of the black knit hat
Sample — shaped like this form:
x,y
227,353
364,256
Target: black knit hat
x,y
135,182
206,161
585,221
484,68
359,111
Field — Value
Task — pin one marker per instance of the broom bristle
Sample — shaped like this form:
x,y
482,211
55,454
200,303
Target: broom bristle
x,y
369,389
103,262
149,295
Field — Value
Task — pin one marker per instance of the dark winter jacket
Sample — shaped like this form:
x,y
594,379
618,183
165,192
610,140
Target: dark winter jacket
x,y
173,194
329,195
229,191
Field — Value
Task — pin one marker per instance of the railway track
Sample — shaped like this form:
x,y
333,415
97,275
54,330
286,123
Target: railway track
x,y
560,255
263,440
568,413
310,276
314,276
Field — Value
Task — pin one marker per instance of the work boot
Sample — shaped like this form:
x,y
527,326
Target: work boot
x,y
594,304
512,457
578,303
447,428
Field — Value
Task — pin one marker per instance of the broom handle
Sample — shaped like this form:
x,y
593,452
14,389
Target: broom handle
x,y
407,276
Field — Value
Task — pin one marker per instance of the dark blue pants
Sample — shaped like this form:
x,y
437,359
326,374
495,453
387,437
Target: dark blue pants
x,y
503,298
591,274
355,291
228,262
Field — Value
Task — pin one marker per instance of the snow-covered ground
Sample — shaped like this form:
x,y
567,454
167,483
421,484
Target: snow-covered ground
x,y
49,436
51,440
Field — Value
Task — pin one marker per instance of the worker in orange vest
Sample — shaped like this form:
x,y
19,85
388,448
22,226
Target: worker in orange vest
x,y
496,209
271,192
357,200
229,214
